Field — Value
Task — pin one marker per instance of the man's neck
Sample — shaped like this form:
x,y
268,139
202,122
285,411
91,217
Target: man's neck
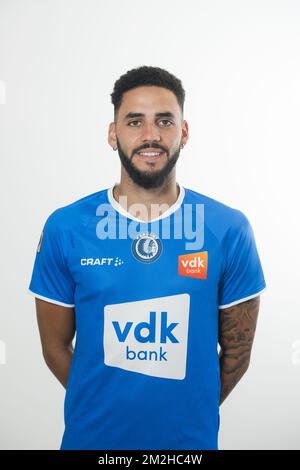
x,y
157,200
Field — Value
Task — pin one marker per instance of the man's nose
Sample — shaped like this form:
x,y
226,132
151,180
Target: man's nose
x,y
150,132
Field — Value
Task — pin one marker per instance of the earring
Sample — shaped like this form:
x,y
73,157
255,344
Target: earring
x,y
181,146
115,148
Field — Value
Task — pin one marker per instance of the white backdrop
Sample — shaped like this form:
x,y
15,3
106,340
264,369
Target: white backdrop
x,y
240,66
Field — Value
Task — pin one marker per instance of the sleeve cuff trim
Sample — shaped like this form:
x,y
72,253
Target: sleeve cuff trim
x,y
243,299
52,301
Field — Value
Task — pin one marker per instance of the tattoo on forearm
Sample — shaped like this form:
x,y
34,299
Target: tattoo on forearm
x,y
237,325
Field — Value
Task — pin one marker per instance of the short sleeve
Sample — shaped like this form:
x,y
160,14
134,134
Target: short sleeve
x,y
242,276
51,279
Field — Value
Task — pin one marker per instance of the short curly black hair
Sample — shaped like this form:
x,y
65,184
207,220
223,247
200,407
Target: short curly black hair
x,y
146,76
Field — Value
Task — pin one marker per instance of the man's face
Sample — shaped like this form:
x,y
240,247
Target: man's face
x,y
149,120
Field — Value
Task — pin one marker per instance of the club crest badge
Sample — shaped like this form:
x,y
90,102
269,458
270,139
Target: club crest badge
x,y
147,247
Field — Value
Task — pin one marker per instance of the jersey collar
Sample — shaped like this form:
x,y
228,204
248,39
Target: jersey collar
x,y
125,213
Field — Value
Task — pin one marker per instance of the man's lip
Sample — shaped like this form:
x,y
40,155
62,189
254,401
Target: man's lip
x,y
151,150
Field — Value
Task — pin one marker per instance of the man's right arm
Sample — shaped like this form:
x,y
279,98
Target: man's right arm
x,y
57,330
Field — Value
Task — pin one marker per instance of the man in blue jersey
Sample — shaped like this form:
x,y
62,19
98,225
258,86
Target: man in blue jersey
x,y
151,276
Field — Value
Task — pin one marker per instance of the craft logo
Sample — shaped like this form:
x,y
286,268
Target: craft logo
x,y
101,261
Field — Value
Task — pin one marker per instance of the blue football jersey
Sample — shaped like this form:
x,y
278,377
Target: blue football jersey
x,y
146,296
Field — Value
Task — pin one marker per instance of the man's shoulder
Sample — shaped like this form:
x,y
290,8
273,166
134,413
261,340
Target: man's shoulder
x,y
214,207
217,214
76,212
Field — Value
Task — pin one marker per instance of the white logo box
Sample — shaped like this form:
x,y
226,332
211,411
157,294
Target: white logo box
x,y
148,336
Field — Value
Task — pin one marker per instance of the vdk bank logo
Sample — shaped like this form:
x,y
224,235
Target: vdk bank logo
x,y
148,336
193,265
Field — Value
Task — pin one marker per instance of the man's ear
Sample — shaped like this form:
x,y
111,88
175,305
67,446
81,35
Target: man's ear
x,y
112,137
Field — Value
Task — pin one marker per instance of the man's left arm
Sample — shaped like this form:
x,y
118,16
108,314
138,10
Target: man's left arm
x,y
237,326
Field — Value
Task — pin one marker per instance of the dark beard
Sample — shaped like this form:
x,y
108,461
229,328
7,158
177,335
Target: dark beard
x,y
145,179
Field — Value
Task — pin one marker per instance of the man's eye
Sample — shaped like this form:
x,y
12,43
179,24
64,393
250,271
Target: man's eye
x,y
162,120
132,122
166,120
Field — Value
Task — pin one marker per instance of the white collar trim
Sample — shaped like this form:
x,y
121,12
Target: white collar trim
x,y
168,212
